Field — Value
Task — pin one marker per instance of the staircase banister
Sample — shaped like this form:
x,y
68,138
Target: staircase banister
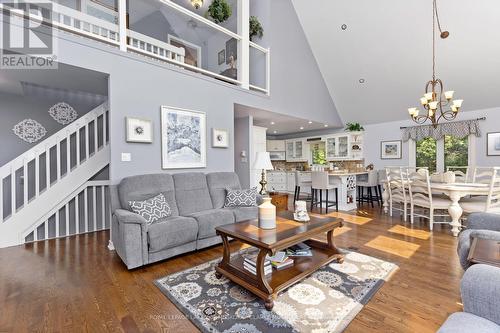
x,y
156,42
52,140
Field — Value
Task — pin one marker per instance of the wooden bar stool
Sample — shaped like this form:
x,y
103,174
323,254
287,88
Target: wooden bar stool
x,y
321,182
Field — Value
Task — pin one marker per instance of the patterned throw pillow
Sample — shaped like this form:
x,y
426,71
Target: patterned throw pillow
x,y
152,209
241,198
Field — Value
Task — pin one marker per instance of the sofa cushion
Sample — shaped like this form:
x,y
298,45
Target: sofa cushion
x,y
244,213
467,322
139,188
218,183
208,220
171,232
152,209
191,192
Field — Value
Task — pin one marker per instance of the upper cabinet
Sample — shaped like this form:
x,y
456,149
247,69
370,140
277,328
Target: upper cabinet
x,y
276,145
344,146
296,151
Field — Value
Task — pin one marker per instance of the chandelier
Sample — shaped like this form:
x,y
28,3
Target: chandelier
x,y
436,102
197,3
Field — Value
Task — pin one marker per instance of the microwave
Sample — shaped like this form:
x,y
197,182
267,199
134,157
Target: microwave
x,y
277,155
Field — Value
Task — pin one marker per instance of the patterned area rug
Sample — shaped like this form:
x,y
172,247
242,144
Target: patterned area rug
x,y
326,301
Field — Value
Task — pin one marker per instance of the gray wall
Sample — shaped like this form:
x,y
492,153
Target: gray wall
x,y
15,108
243,126
138,87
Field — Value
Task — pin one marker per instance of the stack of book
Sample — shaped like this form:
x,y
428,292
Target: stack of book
x,y
280,260
249,263
299,250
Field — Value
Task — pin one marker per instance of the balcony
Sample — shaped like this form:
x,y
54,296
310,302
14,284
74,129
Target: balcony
x,y
170,31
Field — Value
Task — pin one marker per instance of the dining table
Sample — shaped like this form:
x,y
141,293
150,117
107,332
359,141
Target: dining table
x,y
455,191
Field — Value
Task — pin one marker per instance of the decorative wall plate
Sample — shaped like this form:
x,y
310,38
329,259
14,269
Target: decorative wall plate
x,y
29,130
63,113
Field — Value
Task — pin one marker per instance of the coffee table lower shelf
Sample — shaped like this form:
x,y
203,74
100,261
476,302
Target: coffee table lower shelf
x,y
269,286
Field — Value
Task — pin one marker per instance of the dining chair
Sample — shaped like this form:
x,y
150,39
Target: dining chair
x,y
398,191
299,185
419,186
490,203
321,182
482,175
461,173
370,183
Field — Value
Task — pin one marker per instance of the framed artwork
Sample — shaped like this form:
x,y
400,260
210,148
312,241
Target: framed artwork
x,y
231,50
183,138
139,130
220,138
493,144
390,150
221,57
192,51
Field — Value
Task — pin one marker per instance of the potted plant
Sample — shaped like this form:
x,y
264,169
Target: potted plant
x,y
255,27
354,127
219,11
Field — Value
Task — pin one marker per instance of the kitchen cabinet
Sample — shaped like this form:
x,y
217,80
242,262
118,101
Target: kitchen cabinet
x,y
275,145
296,151
290,181
338,147
276,181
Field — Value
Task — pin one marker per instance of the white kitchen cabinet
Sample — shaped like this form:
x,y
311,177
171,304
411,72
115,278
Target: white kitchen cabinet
x,y
338,147
296,151
290,182
275,145
277,181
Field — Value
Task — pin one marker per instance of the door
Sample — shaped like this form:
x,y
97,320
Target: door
x,y
330,148
298,150
343,146
289,151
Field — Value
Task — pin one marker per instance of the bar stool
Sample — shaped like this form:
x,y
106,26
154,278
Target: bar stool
x,y
370,183
299,183
320,181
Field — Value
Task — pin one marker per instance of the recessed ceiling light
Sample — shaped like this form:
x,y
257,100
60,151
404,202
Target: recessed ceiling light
x,y
310,122
361,80
343,26
272,122
275,132
301,127
326,125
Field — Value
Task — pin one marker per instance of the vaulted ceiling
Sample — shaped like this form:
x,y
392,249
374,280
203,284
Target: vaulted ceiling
x,y
388,44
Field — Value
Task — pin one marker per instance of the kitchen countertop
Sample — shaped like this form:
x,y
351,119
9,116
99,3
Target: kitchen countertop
x,y
332,173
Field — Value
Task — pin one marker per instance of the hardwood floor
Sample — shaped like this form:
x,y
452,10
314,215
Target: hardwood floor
x,y
76,284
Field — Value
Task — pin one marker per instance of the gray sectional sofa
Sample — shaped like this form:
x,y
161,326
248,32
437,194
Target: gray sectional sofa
x,y
197,204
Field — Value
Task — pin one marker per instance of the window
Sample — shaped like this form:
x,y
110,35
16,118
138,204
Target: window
x,y
450,152
456,152
426,154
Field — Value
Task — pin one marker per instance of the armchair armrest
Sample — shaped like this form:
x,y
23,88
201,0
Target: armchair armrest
x,y
485,221
126,216
465,241
481,291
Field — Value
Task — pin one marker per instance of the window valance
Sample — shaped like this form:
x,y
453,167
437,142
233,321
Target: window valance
x,y
459,129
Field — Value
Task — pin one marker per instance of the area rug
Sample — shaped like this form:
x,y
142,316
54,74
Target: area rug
x,y
325,301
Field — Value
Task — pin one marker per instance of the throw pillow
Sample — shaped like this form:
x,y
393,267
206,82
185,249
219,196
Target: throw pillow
x,y
152,209
241,198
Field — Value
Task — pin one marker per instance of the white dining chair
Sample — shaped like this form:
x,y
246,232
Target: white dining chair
x,y
490,203
320,181
482,175
461,173
300,184
421,196
398,191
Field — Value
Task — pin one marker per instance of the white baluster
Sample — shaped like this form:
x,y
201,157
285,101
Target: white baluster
x,y
58,159
46,229
68,153
96,141
94,206
37,175
13,188
66,208
25,182
1,198
87,144
85,210
103,206
47,167
104,129
77,146
77,213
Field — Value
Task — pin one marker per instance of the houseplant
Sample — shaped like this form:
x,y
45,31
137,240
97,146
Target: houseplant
x,y
255,27
354,127
219,11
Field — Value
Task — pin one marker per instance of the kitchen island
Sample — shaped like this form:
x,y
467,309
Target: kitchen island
x,y
284,181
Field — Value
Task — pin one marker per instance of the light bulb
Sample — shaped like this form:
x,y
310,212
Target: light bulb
x,y
454,108
428,96
423,100
433,105
458,103
448,94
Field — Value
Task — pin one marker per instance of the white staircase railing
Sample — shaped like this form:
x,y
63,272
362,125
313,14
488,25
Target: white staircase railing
x,y
87,209
39,179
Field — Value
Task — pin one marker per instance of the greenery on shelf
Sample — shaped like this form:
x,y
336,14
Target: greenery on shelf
x,y
219,11
354,127
256,28
319,155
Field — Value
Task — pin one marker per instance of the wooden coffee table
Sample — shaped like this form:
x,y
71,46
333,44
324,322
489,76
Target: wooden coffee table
x,y
287,233
484,251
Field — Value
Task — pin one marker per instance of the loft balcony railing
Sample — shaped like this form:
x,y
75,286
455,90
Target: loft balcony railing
x,y
164,30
